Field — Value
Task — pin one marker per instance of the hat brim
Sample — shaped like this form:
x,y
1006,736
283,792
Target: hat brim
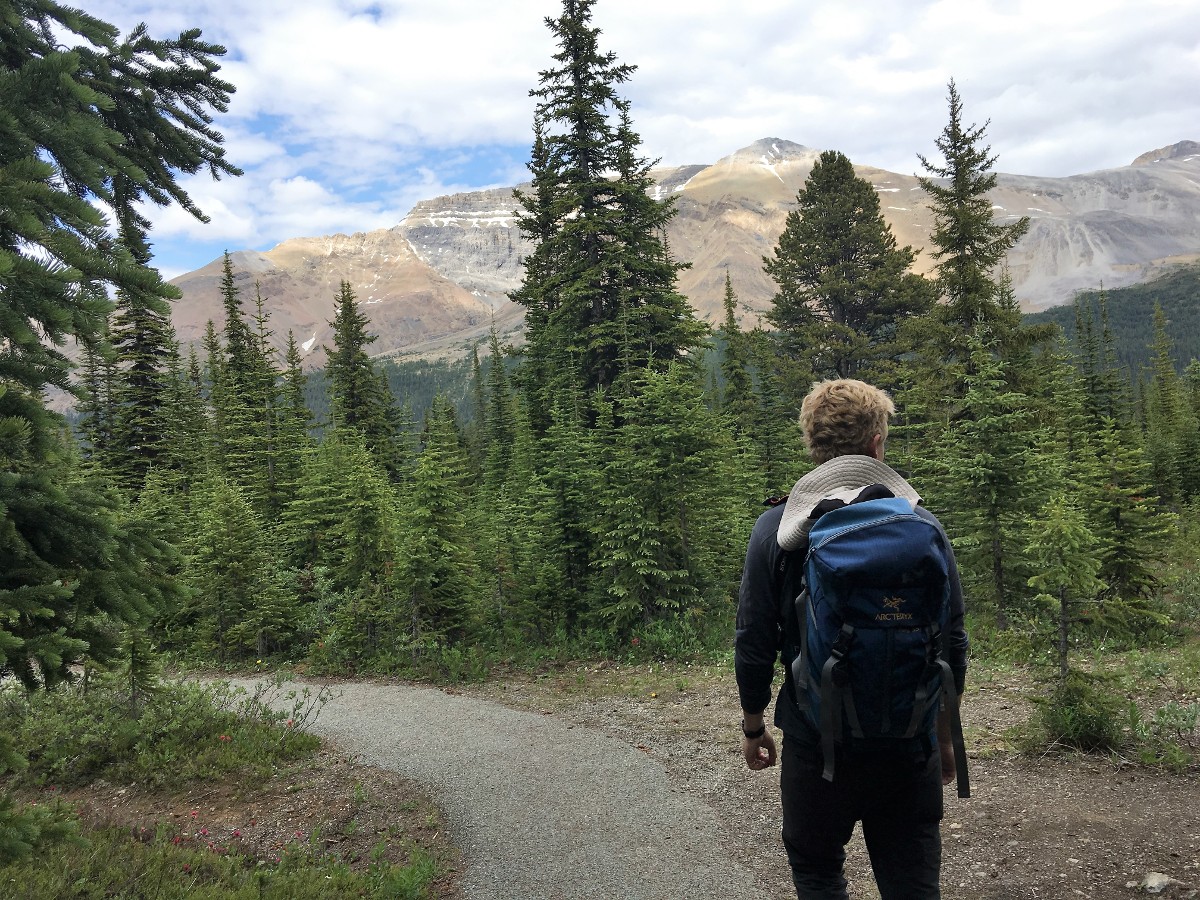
x,y
840,474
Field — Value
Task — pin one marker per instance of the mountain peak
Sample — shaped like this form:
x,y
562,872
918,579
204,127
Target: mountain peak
x,y
772,150
1174,151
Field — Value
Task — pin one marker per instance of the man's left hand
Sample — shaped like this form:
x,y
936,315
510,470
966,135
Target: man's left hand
x,y
759,751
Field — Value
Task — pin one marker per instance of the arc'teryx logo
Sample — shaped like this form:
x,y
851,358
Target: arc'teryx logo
x,y
896,615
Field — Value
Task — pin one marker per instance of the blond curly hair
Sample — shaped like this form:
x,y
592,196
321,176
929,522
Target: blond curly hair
x,y
841,416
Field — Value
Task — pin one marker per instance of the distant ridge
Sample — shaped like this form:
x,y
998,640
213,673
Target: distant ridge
x,y
436,282
1174,151
1131,318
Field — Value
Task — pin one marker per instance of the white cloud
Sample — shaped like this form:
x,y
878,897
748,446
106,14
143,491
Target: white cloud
x,y
364,105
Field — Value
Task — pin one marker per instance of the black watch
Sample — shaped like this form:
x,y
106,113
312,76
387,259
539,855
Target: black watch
x,y
756,733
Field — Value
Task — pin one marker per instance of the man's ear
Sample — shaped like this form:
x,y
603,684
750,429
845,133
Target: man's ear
x,y
877,447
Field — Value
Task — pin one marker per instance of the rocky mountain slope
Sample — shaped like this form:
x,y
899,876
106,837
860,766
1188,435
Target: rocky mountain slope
x,y
435,281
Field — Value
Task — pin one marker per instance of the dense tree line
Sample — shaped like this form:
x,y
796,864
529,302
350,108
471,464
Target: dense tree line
x,y
1128,313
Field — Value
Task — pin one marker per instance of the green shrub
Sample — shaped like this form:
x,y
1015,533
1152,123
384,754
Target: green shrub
x,y
114,863
1168,737
1080,714
73,734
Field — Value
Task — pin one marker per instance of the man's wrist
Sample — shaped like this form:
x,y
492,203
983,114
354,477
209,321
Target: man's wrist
x,y
753,727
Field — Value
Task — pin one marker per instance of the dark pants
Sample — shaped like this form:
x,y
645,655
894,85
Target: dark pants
x,y
898,799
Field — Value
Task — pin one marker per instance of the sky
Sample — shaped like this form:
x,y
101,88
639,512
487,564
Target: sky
x,y
348,112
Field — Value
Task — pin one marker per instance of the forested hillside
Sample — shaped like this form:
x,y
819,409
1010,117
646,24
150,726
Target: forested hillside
x,y
1130,313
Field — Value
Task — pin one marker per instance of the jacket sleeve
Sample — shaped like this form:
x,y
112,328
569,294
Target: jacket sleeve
x,y
956,641
757,637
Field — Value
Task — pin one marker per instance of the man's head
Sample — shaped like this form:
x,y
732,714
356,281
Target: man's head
x,y
843,416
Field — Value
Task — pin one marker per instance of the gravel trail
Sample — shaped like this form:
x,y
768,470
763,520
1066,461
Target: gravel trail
x,y
541,809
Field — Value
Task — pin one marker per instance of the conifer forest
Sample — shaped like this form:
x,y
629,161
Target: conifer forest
x,y
591,490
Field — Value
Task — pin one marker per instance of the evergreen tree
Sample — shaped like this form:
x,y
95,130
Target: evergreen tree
x,y
969,244
571,468
369,564
239,338
1096,359
499,417
185,426
1062,550
96,405
237,605
1113,386
1131,530
476,428
979,474
599,287
672,508
1171,428
844,285
735,365
215,383
361,398
142,341
524,571
294,423
245,397
1103,467
775,431
88,122
142,670
441,574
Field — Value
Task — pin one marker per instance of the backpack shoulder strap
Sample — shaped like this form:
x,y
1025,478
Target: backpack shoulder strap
x,y
793,614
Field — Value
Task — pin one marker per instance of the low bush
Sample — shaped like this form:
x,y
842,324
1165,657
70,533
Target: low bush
x,y
74,734
1081,713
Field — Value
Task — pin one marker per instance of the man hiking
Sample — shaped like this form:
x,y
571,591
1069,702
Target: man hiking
x,y
853,584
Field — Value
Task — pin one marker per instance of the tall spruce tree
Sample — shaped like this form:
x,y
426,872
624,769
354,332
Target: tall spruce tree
x,y
442,573
294,423
599,287
245,397
979,478
361,398
499,415
844,284
969,244
738,399
142,340
88,122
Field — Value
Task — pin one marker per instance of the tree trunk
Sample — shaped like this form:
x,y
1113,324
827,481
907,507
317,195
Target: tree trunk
x,y
998,580
1063,622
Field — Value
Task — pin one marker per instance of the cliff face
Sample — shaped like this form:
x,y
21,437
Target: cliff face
x,y
408,302
437,280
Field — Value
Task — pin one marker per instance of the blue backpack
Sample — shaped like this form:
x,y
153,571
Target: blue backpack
x,y
874,608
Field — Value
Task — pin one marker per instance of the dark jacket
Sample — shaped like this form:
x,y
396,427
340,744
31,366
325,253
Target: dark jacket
x,y
765,604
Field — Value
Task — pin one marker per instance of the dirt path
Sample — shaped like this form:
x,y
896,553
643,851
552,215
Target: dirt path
x,y
1059,827
540,807
631,785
